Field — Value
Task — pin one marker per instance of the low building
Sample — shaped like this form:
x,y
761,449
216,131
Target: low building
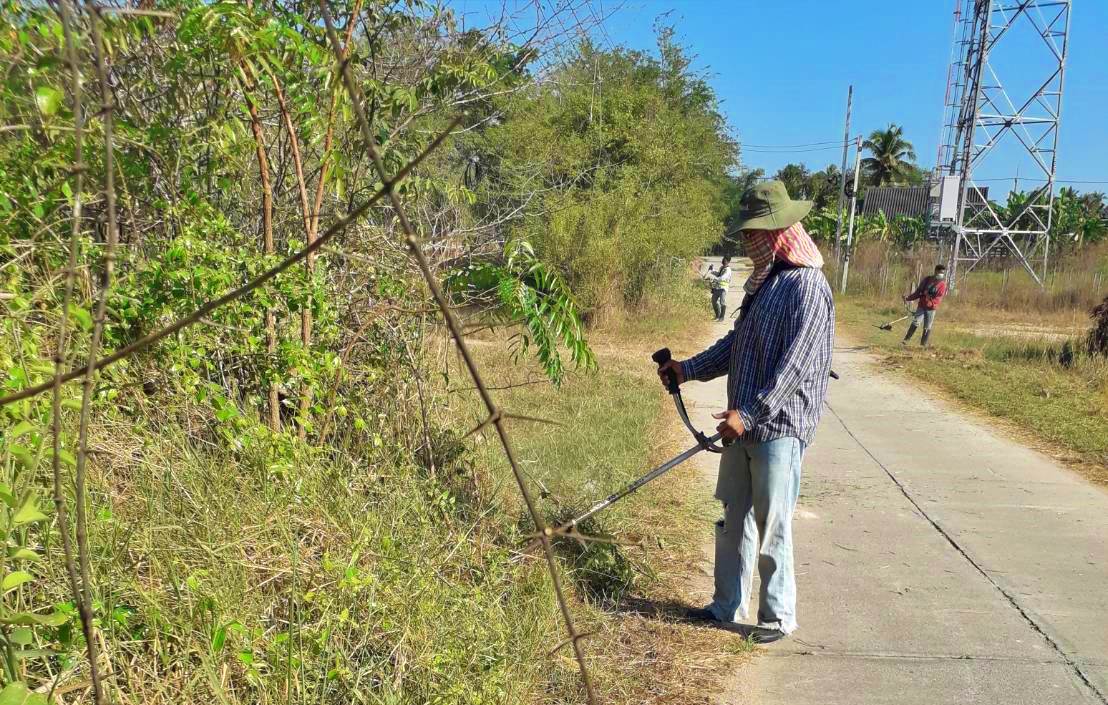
x,y
922,201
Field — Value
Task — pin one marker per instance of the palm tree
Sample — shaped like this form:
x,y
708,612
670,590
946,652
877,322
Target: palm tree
x,y
893,156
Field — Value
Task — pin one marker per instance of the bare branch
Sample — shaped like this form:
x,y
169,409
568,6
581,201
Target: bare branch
x,y
79,597
134,11
268,247
107,106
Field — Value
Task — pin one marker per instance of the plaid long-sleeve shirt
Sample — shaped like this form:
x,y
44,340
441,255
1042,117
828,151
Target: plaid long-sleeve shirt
x,y
777,357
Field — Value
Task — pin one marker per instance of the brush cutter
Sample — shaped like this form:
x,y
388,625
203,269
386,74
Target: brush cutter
x,y
889,325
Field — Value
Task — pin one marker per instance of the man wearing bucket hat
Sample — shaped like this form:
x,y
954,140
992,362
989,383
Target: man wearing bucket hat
x,y
777,359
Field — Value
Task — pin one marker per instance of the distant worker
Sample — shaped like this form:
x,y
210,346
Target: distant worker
x,y
929,293
719,280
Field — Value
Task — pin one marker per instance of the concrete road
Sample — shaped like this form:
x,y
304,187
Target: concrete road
x,y
938,562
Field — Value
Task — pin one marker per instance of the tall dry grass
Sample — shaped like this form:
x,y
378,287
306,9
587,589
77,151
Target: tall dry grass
x,y
995,292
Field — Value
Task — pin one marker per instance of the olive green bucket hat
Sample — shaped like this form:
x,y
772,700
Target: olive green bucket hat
x,y
767,206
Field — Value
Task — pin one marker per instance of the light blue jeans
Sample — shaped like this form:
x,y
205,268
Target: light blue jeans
x,y
758,486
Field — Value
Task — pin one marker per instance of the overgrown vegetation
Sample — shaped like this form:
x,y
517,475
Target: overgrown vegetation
x,y
282,503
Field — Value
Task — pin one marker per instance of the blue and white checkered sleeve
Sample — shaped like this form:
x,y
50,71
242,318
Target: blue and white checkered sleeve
x,y
711,363
805,332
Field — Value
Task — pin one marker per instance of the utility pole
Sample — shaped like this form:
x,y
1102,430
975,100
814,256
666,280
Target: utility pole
x,y
842,173
853,205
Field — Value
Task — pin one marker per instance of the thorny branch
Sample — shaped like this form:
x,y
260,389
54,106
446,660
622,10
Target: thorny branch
x,y
75,584
459,337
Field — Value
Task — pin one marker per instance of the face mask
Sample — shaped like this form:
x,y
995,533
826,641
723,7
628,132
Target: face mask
x,y
758,249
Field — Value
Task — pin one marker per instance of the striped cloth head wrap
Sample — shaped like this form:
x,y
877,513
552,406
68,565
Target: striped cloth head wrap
x,y
792,245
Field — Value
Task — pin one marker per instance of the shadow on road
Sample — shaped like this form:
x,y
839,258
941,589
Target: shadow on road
x,y
675,612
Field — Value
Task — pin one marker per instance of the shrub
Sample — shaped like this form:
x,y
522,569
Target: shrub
x,y
1098,335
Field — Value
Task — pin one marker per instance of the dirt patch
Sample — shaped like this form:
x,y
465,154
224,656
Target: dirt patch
x,y
1024,331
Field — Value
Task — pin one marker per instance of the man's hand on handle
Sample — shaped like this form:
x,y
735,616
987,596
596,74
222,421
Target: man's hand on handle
x,y
731,424
671,365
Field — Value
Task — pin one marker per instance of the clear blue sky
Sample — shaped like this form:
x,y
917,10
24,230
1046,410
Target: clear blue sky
x,y
781,69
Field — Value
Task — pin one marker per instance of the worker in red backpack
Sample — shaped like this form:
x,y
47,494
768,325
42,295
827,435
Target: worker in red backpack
x,y
929,294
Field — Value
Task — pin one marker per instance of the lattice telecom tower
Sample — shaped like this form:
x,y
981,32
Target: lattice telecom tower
x,y
1003,107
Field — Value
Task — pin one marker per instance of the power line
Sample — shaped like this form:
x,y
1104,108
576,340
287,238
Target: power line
x,y
1057,181
837,143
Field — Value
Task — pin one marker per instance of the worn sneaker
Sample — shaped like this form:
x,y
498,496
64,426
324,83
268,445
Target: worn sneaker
x,y
700,614
761,635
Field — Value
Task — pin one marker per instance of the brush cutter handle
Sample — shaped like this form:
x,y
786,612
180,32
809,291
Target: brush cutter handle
x,y
661,357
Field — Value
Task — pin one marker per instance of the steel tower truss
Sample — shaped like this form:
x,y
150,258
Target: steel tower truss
x,y
982,113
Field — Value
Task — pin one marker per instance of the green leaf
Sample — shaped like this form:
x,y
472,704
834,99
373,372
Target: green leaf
x,y
48,99
83,317
28,513
14,579
226,411
28,619
22,454
218,639
20,428
22,636
22,554
17,694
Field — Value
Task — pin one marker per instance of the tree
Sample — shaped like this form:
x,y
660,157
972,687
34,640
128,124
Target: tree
x,y
797,180
1078,219
614,169
824,187
893,158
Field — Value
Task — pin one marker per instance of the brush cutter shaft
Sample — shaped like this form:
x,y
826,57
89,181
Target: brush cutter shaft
x,y
652,475
889,325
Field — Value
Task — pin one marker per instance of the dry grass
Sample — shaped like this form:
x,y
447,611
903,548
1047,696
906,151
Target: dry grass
x,y
990,294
